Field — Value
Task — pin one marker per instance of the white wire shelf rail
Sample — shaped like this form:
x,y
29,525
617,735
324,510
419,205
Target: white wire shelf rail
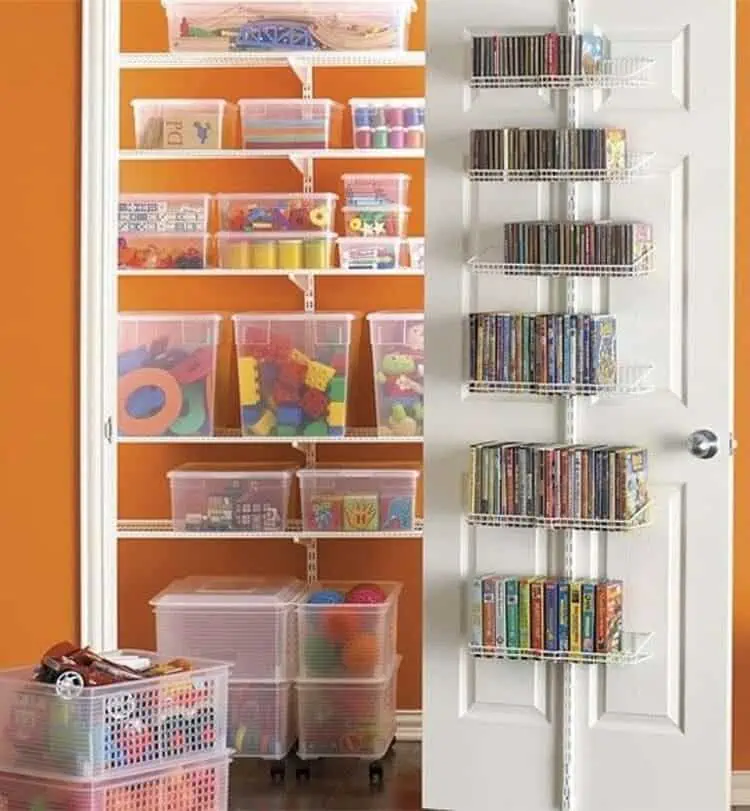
x,y
162,529
228,436
262,272
491,263
639,520
625,72
636,164
630,380
635,649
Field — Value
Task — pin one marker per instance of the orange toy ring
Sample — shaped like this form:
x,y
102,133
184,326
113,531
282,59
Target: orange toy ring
x,y
159,423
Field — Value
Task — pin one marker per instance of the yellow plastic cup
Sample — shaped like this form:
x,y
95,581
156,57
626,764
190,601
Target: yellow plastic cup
x,y
237,255
290,254
317,254
265,254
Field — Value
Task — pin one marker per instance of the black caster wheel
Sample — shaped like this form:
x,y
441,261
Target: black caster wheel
x,y
278,773
376,775
303,774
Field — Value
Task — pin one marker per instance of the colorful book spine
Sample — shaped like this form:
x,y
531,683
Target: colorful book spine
x,y
524,613
536,590
608,616
551,628
476,612
488,612
563,615
575,617
588,612
511,612
500,621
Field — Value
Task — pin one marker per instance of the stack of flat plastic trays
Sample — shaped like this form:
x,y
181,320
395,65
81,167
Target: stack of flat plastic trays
x,y
152,744
250,622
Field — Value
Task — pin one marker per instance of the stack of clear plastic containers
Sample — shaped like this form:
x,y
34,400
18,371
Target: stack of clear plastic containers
x,y
145,744
388,123
346,689
250,622
290,123
181,123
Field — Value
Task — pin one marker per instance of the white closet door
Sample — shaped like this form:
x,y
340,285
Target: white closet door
x,y
653,736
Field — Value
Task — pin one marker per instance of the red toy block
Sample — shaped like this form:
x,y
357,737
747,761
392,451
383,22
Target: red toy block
x,y
338,361
314,403
284,394
280,348
194,367
292,373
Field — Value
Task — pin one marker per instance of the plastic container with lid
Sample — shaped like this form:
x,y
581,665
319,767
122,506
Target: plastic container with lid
x,y
164,213
388,123
398,364
290,123
293,371
374,190
273,25
355,500
180,123
370,253
166,373
276,250
161,251
66,730
229,497
346,639
247,621
349,719
277,212
385,221
262,719
416,252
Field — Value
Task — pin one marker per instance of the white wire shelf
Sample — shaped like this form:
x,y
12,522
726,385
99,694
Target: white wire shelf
x,y
278,59
631,380
282,272
635,649
487,264
296,156
640,520
637,162
147,529
230,436
626,72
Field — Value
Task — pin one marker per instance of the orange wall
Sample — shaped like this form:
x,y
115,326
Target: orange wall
x,y
38,408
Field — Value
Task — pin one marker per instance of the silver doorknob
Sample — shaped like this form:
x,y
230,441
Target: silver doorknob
x,y
704,444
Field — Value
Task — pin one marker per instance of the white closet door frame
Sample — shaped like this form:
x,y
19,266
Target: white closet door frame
x,y
99,182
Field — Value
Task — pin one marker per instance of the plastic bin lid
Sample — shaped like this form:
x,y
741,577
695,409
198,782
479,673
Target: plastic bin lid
x,y
353,241
134,236
385,102
229,592
178,102
292,316
281,236
167,315
196,470
288,102
357,473
168,196
387,208
340,5
282,195
376,176
395,315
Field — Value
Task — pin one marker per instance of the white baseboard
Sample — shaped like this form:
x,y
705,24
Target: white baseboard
x,y
409,728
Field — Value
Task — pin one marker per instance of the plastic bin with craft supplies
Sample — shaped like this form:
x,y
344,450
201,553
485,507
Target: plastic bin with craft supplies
x,y
57,725
162,251
383,221
201,785
398,363
180,123
276,250
247,621
416,253
291,123
288,25
229,497
347,630
358,499
355,719
293,372
262,719
388,123
166,373
376,190
295,211
164,213
370,253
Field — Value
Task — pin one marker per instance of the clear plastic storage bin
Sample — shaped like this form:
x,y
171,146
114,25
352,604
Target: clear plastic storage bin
x,y
276,250
262,719
347,630
374,190
112,731
390,221
290,123
179,123
248,621
416,253
370,253
388,123
285,25
154,251
166,373
198,786
354,719
358,500
277,212
398,363
164,213
293,371
229,498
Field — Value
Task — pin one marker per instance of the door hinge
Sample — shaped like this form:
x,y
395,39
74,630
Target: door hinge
x,y
108,430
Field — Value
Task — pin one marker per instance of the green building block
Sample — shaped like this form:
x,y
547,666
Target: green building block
x,y
318,428
287,430
337,389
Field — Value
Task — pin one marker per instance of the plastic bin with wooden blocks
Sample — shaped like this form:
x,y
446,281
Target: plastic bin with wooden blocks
x,y
336,413
265,424
247,370
319,375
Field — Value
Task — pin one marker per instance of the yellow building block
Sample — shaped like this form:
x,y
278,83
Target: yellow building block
x,y
299,357
247,372
318,375
336,414
265,424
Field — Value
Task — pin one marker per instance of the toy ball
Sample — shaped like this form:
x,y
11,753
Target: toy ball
x,y
326,597
361,654
340,624
321,656
366,594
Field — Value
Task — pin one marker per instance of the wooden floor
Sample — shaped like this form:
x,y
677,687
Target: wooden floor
x,y
335,785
